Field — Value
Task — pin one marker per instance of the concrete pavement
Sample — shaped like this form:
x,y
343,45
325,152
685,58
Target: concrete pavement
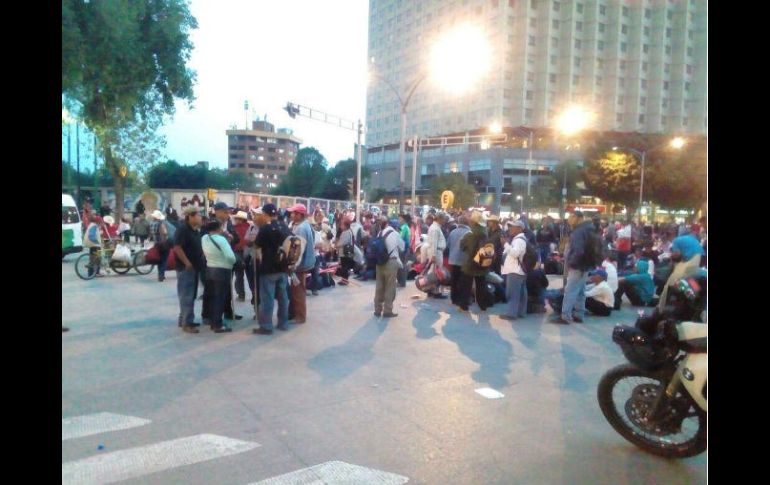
x,y
396,396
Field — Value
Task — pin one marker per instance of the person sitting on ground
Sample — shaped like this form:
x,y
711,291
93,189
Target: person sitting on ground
x,y
639,287
537,283
610,265
370,264
599,297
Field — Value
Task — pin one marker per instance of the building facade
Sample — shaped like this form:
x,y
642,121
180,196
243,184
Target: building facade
x,y
637,65
262,152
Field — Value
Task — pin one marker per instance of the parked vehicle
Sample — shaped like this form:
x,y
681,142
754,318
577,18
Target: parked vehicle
x,y
71,227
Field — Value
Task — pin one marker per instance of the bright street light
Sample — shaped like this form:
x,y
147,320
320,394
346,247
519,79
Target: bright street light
x,y
459,58
573,120
495,128
677,142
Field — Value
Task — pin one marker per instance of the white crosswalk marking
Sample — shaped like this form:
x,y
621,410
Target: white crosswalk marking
x,y
143,460
79,426
336,473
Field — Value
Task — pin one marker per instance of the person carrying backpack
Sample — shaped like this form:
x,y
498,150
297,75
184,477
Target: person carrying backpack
x,y
273,280
386,248
345,250
305,264
513,270
162,233
478,255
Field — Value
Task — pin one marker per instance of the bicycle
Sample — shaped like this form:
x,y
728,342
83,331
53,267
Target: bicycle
x,y
88,266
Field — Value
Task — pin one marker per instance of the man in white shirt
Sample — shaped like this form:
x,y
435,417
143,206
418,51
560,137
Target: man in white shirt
x,y
599,296
515,278
610,265
385,291
436,246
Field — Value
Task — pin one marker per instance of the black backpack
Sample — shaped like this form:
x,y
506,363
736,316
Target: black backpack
x,y
528,260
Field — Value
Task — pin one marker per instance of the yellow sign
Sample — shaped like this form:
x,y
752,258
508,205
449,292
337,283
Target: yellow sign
x,y
447,199
211,194
123,171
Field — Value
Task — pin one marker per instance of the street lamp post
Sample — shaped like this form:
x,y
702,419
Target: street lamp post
x,y
521,204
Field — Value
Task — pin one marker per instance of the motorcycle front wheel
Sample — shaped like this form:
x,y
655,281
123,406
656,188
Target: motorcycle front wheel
x,y
626,397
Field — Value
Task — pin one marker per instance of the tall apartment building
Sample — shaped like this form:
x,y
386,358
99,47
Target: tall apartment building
x,y
639,65
262,152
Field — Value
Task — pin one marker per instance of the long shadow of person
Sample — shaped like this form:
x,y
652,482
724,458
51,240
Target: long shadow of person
x,y
483,345
338,362
424,320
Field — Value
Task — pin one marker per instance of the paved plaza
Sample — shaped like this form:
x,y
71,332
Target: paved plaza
x,y
344,398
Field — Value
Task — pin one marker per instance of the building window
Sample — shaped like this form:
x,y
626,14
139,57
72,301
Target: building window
x,y
686,86
553,60
508,75
663,120
622,82
532,22
528,114
554,42
531,40
598,80
552,78
668,50
619,118
646,48
600,45
665,85
620,100
579,7
511,38
556,6
578,44
622,65
624,29
664,103
689,34
669,14
642,101
647,31
529,95
641,119
689,52
532,4
623,47
530,77
507,93
575,80
644,84
577,62
625,11
602,27
689,69
579,26
602,10
668,32
644,66
667,68
599,64
555,24
647,13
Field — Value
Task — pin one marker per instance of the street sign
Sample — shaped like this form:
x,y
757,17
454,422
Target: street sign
x,y
447,199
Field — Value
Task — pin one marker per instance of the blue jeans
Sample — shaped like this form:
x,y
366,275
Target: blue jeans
x,y
187,290
516,294
163,262
272,286
544,249
574,294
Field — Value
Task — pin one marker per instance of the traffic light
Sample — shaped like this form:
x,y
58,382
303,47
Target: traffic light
x,y
211,194
351,187
293,110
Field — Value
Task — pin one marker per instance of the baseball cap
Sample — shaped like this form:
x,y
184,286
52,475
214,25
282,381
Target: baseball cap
x,y
517,224
298,208
599,272
221,206
269,209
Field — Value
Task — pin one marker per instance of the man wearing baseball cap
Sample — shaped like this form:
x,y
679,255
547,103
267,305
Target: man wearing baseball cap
x,y
297,293
273,281
599,296
240,228
190,262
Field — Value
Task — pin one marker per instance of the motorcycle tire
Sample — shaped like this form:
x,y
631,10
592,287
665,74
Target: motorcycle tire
x,y
693,446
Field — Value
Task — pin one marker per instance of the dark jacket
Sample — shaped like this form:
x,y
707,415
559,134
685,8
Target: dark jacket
x,y
469,244
495,237
269,239
578,242
546,235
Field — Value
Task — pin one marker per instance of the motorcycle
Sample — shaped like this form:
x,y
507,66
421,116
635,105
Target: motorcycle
x,y
658,401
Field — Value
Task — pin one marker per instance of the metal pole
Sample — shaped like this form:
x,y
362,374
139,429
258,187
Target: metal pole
x,y
414,172
564,192
641,185
77,151
529,170
96,177
402,156
358,174
69,154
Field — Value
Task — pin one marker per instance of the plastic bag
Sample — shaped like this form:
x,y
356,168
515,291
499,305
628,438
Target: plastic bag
x,y
122,253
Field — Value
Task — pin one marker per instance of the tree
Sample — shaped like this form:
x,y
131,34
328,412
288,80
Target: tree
x,y
614,176
336,183
123,64
306,175
377,194
677,179
465,194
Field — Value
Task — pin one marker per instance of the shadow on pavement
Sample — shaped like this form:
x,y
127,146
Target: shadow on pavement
x,y
483,345
338,362
424,320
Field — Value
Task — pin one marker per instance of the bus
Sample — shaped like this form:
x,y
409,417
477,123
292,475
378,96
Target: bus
x,y
71,228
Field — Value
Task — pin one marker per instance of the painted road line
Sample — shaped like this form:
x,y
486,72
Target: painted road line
x,y
336,473
143,460
490,393
79,426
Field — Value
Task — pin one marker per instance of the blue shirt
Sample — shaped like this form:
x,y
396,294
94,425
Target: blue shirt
x,y
304,231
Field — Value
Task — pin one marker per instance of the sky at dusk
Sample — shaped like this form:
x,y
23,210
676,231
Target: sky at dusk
x,y
308,52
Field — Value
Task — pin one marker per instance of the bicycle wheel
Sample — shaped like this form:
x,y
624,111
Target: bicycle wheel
x,y
139,263
83,267
120,267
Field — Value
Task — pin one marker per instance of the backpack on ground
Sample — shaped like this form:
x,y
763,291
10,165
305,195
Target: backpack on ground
x,y
377,248
528,260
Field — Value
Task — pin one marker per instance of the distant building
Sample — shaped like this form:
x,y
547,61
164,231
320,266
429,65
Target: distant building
x,y
262,152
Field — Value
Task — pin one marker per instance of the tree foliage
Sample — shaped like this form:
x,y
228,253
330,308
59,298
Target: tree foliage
x,y
172,175
465,194
677,180
306,175
123,64
614,176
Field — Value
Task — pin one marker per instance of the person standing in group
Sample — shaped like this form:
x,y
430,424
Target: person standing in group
x,y
624,244
124,229
579,259
496,237
92,239
404,221
141,229
474,270
273,280
386,274
160,236
220,259
251,256
322,233
515,278
345,250
240,228
301,228
545,238
436,246
222,214
456,256
190,262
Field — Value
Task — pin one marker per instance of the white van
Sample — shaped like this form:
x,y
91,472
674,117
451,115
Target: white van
x,y
71,228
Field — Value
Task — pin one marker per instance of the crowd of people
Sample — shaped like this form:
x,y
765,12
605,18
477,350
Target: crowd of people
x,y
286,255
